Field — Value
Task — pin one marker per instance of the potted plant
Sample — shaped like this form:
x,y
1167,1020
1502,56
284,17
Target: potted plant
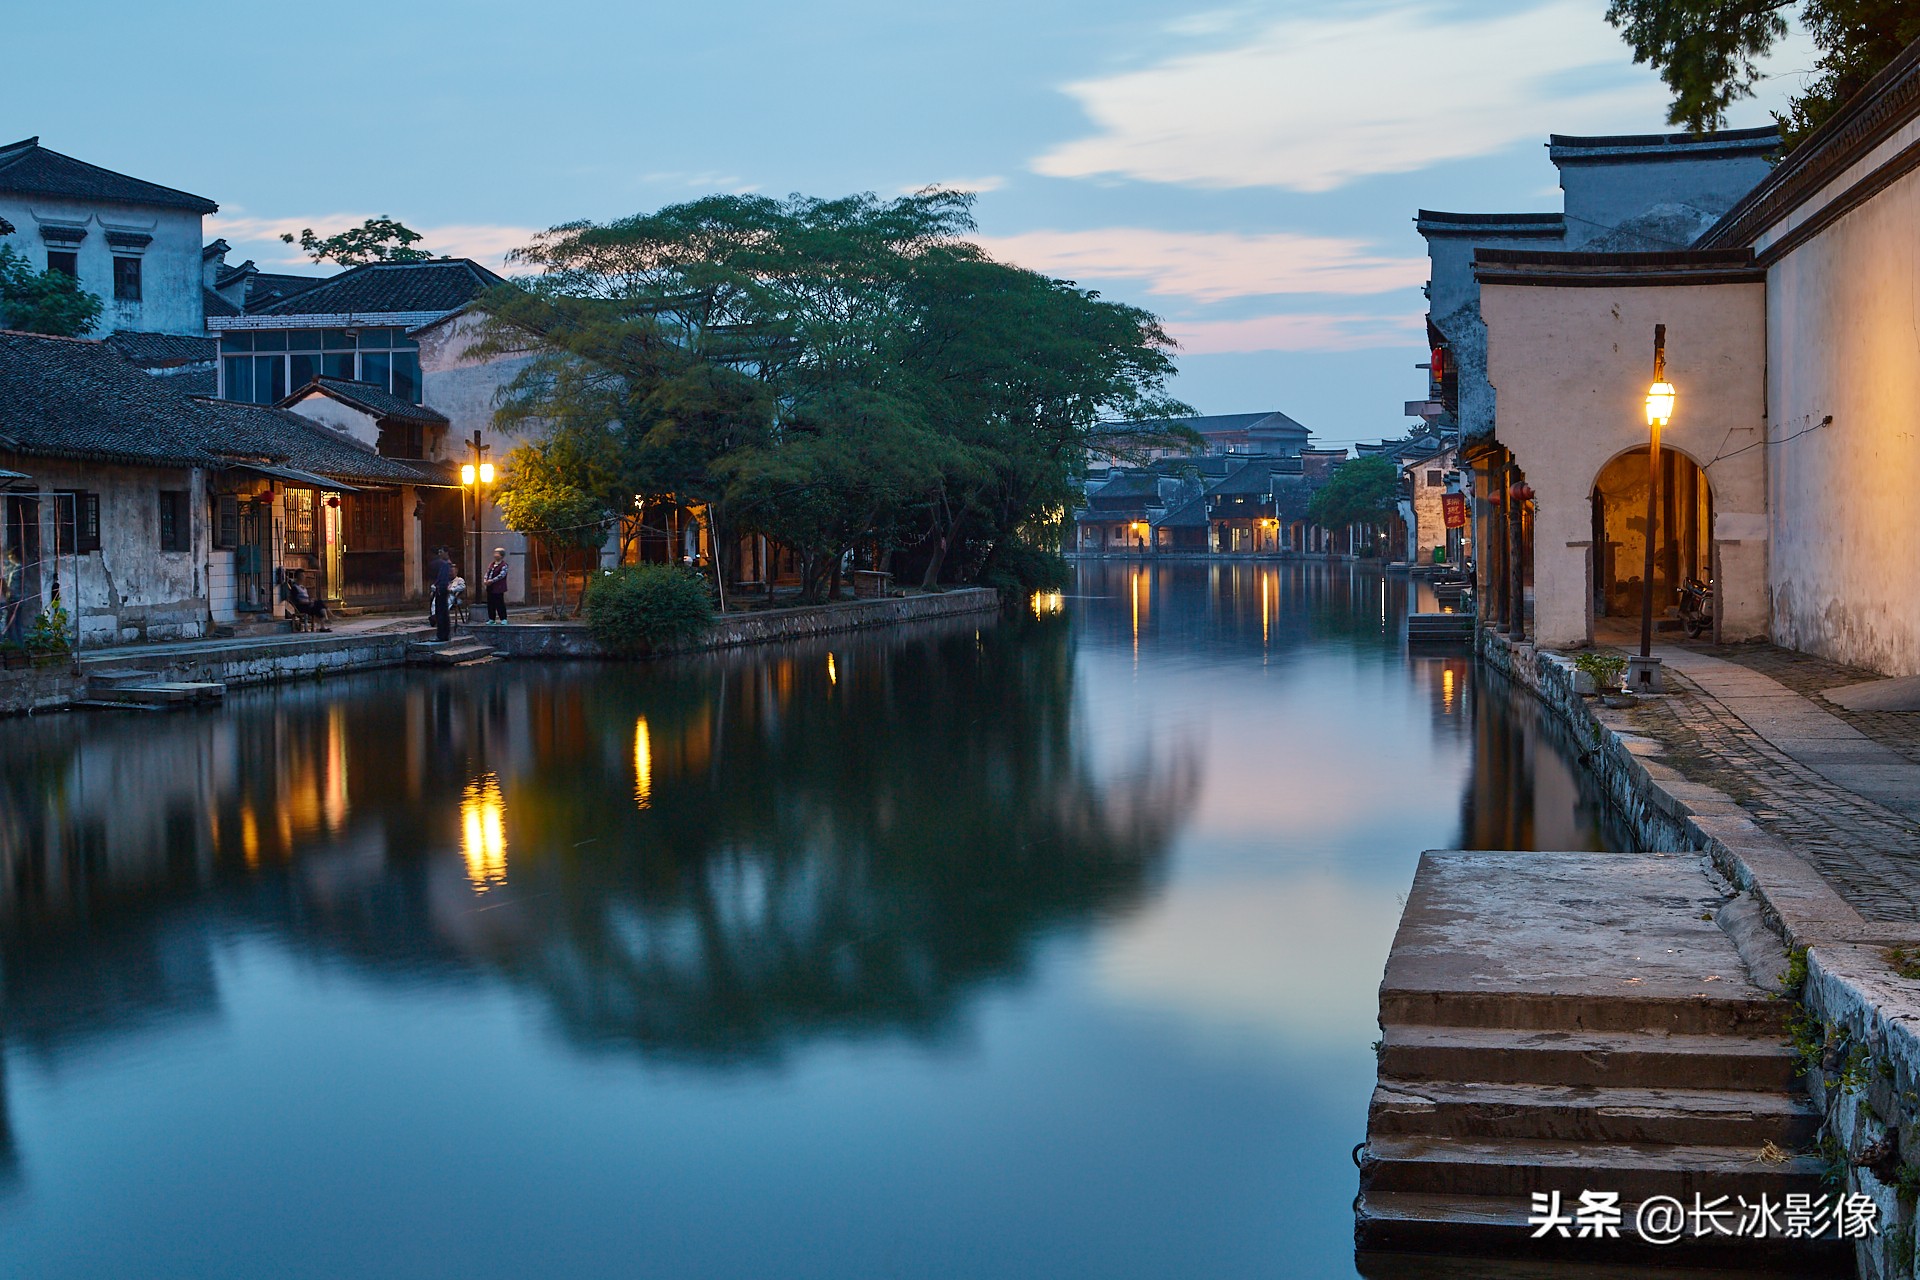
x,y
47,638
1604,671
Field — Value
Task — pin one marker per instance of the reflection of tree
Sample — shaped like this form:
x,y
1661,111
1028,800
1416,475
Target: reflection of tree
x,y
819,851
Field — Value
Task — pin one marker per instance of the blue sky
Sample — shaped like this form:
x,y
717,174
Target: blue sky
x,y
1247,171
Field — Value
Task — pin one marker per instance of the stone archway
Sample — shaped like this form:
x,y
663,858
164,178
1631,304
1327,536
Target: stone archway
x,y
1683,546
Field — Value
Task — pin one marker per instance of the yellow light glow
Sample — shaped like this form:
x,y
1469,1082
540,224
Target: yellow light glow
x,y
642,764
833,675
486,473
466,473
1048,602
1660,398
483,833
1446,689
249,836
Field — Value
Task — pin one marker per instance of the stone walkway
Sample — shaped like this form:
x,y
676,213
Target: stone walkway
x,y
1840,788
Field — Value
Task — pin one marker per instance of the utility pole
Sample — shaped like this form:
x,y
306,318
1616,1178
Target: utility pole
x,y
1653,494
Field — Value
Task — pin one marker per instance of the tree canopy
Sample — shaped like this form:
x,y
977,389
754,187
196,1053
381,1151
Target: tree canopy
x,y
380,239
1708,51
43,301
1363,490
846,375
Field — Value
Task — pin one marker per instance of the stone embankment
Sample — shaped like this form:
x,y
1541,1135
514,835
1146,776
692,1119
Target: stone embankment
x,y
524,639
267,659
1811,812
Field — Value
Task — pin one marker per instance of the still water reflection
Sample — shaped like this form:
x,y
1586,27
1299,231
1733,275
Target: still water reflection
x,y
1036,947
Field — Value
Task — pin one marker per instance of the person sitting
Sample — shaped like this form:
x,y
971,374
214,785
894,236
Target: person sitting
x,y
308,612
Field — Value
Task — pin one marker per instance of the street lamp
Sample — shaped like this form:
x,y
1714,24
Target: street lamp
x,y
475,475
1660,398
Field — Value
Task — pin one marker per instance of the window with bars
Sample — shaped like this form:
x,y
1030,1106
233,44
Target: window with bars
x,y
76,516
176,528
300,505
126,279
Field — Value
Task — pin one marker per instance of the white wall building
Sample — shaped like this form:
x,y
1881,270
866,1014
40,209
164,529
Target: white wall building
x,y
135,244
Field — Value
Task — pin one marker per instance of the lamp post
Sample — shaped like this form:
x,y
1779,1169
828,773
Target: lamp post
x,y
474,475
1660,397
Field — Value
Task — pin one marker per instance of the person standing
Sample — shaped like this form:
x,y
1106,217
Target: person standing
x,y
12,607
496,584
441,571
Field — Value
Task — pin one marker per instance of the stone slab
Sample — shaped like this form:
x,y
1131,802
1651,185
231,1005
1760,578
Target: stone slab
x,y
1575,928
1902,693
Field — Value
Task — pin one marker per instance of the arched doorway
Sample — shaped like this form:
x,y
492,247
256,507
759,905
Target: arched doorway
x,y
1683,544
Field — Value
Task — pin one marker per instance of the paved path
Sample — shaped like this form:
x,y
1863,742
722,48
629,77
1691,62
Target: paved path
x,y
1842,789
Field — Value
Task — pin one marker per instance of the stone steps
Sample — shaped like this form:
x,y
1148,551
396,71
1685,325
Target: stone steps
x,y
125,686
1706,1117
459,652
1417,1236
1621,1059
1568,1023
1512,1169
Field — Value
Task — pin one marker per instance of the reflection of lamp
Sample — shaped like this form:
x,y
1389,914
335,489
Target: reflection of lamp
x,y
1660,398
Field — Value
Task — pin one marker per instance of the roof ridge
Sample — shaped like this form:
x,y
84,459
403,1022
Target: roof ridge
x,y
52,337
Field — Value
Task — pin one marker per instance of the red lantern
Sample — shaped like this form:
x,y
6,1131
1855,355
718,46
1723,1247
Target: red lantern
x,y
334,502
1522,492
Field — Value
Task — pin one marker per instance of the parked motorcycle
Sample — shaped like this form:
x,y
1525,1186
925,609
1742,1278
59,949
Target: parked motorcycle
x,y
1696,607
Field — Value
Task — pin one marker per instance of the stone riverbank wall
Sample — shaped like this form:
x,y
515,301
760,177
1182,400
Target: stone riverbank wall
x,y
236,663
563,640
1858,1030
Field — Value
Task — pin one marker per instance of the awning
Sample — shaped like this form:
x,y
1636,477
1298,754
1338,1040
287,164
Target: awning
x,y
297,476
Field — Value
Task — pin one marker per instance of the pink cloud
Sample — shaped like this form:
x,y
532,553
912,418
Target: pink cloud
x,y
1295,332
1212,265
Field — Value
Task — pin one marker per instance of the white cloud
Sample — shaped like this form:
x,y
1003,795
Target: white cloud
x,y
1312,103
1295,332
1210,266
259,238
979,186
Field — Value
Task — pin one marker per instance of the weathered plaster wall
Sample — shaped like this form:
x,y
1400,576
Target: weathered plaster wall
x,y
129,589
1571,367
1843,316
170,269
1637,206
343,418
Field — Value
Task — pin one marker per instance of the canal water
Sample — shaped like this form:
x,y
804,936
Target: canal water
x,y
1040,947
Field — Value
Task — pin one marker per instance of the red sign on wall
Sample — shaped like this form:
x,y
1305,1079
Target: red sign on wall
x,y
1454,507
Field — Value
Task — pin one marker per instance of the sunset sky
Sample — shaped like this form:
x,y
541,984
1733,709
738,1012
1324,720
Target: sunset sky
x,y
1248,172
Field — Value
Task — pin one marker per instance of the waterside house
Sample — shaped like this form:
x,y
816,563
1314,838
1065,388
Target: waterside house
x,y
151,515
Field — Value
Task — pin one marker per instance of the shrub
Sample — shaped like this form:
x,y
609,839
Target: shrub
x,y
48,634
637,609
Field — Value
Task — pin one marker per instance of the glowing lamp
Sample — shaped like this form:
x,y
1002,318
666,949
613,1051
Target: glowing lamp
x,y
486,473
466,474
1660,404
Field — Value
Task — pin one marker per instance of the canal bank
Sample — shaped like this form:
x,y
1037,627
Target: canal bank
x,y
1809,810
370,644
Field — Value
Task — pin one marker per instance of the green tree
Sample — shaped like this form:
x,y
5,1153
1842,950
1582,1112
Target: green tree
x,y
1708,51
549,494
380,239
49,302
1363,491
835,374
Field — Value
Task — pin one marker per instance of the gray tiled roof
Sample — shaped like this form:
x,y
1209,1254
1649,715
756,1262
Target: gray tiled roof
x,y
1188,515
79,398
28,168
371,399
390,288
215,305
1254,479
164,350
